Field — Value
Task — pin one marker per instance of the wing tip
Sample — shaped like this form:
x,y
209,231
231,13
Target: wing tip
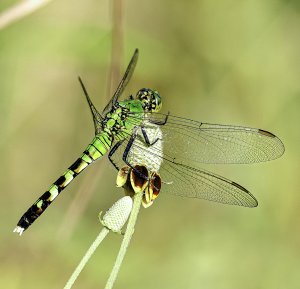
x,y
280,148
266,133
135,54
252,203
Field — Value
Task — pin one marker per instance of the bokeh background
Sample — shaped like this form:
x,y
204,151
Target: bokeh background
x,y
230,62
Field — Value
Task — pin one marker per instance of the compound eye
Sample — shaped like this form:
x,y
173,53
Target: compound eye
x,y
150,99
142,94
156,102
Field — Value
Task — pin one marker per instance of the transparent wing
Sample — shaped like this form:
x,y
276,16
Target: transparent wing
x,y
180,179
187,141
183,143
192,182
97,118
126,78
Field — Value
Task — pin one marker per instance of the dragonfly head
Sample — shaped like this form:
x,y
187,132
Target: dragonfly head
x,y
150,99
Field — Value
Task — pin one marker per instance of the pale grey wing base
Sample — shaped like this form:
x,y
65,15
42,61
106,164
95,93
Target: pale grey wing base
x,y
186,181
187,141
124,81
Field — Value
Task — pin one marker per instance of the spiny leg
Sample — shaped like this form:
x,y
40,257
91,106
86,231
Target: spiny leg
x,y
126,152
112,152
144,132
160,122
146,138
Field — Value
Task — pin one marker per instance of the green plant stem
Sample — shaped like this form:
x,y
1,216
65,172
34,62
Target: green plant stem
x,y
126,240
103,233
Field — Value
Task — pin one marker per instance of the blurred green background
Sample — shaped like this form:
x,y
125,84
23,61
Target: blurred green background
x,y
230,62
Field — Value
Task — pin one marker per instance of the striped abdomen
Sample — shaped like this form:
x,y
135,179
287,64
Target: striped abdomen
x,y
95,150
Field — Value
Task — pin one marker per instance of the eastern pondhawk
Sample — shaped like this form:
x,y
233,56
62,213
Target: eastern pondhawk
x,y
134,132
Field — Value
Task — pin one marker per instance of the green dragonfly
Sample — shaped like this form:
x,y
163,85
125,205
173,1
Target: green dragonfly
x,y
133,131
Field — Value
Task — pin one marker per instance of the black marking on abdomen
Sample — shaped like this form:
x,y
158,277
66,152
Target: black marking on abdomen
x,y
59,183
88,154
55,189
45,196
78,166
35,211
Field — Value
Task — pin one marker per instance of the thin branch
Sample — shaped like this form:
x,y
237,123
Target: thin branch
x,y
113,220
20,11
103,233
125,243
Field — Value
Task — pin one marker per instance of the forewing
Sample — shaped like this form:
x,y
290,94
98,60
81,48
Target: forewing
x,y
187,141
97,118
126,78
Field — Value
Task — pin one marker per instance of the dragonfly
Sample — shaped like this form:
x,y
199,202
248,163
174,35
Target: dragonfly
x,y
134,131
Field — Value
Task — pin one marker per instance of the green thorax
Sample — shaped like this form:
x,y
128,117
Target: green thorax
x,y
122,118
117,125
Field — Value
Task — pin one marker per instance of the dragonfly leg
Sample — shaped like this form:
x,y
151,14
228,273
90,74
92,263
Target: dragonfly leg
x,y
112,152
126,152
146,138
161,122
